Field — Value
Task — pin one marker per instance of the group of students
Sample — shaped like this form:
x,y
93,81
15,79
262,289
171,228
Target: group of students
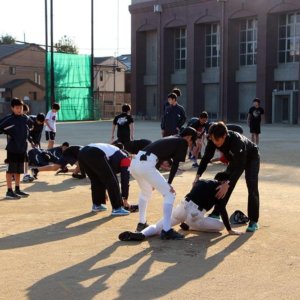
x,y
102,162
20,129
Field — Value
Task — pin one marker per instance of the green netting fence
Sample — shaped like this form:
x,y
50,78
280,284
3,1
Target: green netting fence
x,y
72,86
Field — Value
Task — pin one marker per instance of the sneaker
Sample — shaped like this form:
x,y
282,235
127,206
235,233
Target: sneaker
x,y
131,236
78,176
97,208
141,226
21,194
214,216
34,172
184,226
27,178
120,212
132,208
253,226
171,235
12,195
195,165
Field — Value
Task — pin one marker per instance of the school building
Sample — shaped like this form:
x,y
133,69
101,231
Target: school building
x,y
220,53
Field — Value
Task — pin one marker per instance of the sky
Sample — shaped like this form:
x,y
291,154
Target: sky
x,y
25,20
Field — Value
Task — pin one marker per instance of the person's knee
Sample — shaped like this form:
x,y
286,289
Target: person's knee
x,y
179,212
169,198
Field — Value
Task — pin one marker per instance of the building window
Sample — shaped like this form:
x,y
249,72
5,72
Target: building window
x,y
180,49
289,38
248,42
33,95
12,70
287,86
37,78
212,45
101,75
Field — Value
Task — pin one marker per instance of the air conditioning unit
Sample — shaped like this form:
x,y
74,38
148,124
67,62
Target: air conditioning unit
x,y
157,8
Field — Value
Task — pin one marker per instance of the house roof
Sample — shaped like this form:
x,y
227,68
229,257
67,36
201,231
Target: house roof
x,y
109,62
9,49
126,60
99,60
17,82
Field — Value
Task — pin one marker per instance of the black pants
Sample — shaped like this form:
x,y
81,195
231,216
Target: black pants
x,y
251,176
94,162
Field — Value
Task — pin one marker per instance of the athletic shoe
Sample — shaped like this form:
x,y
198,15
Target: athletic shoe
x,y
214,216
120,212
132,208
184,226
12,195
35,172
253,226
78,176
131,236
97,208
171,235
141,226
21,194
195,165
27,178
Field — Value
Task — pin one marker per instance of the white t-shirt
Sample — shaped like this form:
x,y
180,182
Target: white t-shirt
x,y
108,149
51,118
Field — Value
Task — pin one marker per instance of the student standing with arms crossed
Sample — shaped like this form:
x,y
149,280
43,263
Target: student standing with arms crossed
x,y
15,126
242,155
174,117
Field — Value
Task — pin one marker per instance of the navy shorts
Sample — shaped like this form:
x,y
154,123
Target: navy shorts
x,y
50,135
15,162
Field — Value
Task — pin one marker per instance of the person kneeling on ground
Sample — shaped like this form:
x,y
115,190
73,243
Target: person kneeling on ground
x,y
190,212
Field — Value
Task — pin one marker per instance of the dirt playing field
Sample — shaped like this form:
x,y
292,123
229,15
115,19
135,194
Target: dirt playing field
x,y
53,247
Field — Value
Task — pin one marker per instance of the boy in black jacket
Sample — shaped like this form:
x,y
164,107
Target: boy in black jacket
x,y
16,128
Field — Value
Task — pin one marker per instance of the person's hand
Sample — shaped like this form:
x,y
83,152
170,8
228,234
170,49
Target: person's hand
x,y
172,190
235,232
222,190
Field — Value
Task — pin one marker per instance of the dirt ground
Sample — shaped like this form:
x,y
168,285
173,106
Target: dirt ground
x,y
53,247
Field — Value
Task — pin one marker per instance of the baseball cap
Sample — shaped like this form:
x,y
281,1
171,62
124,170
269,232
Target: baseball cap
x,y
238,217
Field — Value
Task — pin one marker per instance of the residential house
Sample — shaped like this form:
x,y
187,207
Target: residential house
x,y
109,85
22,75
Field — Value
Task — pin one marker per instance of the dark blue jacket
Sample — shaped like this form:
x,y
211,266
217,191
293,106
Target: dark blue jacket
x,y
17,131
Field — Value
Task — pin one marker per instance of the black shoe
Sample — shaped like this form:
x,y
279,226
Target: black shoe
x,y
21,194
141,226
131,236
12,195
35,171
78,176
132,208
171,235
184,226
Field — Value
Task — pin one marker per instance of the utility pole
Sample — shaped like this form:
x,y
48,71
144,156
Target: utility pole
x,y
92,52
52,93
222,104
